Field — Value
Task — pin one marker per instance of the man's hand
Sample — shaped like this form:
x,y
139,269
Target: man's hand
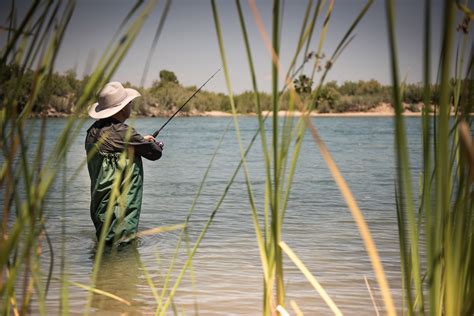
x,y
149,138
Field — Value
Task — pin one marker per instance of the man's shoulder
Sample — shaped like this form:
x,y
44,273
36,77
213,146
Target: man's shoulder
x,y
122,129
109,124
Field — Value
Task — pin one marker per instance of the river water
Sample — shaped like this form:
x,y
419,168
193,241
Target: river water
x,y
226,268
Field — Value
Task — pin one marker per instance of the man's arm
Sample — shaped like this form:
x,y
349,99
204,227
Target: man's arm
x,y
143,146
146,146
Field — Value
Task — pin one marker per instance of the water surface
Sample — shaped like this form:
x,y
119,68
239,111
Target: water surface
x,y
318,225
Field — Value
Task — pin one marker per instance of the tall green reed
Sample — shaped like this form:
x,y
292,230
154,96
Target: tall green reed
x,y
26,177
444,218
20,249
278,182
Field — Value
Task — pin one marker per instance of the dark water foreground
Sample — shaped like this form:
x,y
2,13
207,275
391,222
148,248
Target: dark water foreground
x,y
318,225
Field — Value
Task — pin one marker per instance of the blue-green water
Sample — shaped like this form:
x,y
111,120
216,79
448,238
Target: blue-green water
x,y
318,225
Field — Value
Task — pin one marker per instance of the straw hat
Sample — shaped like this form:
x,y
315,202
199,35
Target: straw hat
x,y
112,98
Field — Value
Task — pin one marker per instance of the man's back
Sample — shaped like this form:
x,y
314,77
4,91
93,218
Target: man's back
x,y
114,160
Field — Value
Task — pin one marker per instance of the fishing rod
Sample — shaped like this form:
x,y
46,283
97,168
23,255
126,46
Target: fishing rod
x,y
182,106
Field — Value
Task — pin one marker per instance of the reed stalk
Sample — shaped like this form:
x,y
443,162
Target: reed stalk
x,y
444,217
255,219
339,180
404,181
311,278
36,41
279,155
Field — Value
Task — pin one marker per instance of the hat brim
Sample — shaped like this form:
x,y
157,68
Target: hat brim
x,y
101,114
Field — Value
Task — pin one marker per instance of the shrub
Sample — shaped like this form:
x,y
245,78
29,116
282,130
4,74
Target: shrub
x,y
413,93
348,88
345,103
327,96
324,107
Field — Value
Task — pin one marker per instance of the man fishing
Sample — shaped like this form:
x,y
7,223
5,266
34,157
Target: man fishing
x,y
107,140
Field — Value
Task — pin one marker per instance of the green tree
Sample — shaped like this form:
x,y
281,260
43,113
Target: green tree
x,y
368,87
224,103
168,76
12,88
71,78
332,84
348,88
413,93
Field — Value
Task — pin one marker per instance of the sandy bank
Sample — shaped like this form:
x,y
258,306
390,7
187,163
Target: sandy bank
x,y
216,113
382,110
315,114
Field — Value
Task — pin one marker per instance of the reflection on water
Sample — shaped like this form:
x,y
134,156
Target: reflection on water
x,y
317,226
119,274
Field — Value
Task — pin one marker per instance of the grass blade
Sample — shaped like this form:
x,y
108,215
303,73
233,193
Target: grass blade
x,y
317,286
403,167
100,292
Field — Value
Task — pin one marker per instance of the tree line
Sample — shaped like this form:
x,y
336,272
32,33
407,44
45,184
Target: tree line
x,y
166,94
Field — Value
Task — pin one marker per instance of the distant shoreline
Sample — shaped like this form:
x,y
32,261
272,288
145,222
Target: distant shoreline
x,y
383,110
280,113
313,114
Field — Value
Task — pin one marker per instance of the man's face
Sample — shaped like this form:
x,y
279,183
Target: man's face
x,y
127,110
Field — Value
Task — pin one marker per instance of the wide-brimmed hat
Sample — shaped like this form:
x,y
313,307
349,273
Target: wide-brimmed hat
x,y
112,98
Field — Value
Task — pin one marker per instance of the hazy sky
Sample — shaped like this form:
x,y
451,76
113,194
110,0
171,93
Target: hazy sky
x,y
188,45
